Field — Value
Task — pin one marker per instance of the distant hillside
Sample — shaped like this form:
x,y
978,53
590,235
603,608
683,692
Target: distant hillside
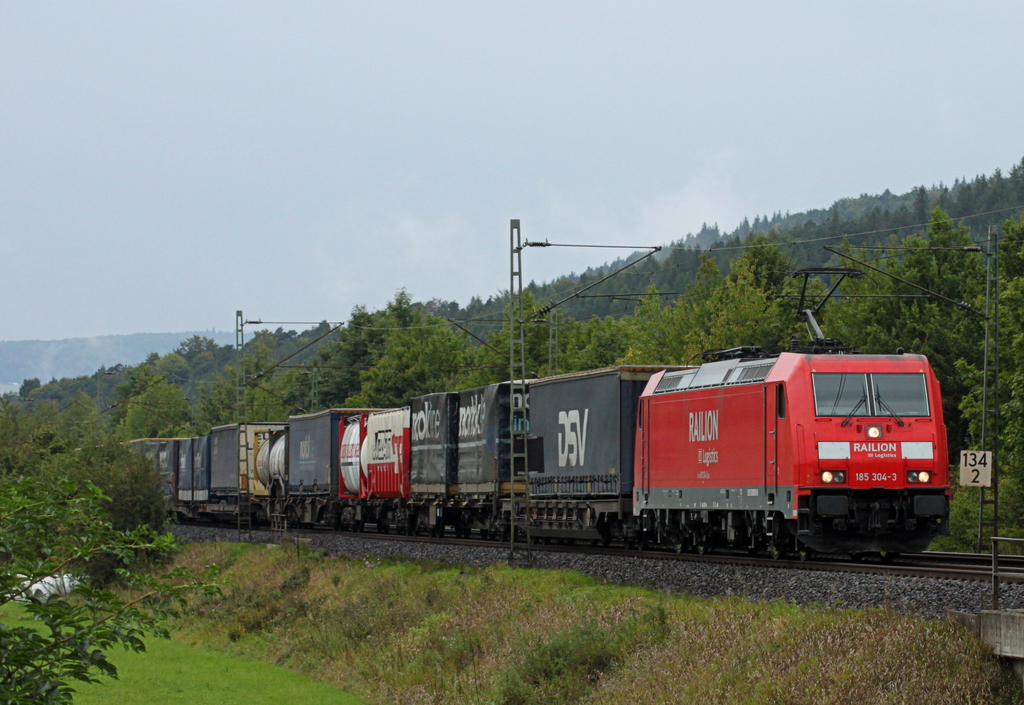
x,y
49,359
865,220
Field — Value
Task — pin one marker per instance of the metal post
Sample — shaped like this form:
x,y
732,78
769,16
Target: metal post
x,y
990,389
244,504
995,573
519,472
553,343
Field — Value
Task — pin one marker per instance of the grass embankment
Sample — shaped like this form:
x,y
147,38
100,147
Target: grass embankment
x,y
406,632
172,673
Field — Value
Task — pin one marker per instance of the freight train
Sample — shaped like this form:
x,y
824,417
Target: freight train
x,y
786,455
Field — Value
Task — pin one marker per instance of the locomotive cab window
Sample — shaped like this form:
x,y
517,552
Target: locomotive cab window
x,y
780,401
875,394
903,394
840,393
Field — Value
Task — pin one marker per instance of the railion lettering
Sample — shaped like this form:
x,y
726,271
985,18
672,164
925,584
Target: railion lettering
x,y
703,426
874,447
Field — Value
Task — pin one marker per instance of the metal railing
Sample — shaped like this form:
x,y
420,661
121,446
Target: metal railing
x,y
1004,573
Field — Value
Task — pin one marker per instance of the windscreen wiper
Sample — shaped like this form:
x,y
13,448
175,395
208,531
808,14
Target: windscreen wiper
x,y
846,421
880,400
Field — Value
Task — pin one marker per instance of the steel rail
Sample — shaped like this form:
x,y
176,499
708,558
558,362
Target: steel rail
x,y
930,564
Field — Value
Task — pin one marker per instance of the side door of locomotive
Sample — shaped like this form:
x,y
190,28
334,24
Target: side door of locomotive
x,y
645,448
772,399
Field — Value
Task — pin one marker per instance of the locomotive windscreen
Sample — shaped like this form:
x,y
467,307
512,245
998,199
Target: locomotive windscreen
x,y
905,394
846,393
840,393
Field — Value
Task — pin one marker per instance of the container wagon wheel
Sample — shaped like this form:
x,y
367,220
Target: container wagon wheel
x,y
804,552
702,543
775,551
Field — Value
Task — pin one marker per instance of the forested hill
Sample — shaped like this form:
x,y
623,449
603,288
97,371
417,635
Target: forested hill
x,y
50,359
865,220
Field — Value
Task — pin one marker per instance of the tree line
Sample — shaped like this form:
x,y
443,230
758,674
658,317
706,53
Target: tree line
x,y
381,358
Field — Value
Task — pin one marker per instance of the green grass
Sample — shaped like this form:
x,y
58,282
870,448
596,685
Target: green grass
x,y
172,673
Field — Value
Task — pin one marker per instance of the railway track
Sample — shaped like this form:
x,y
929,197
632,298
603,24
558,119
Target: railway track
x,y
930,564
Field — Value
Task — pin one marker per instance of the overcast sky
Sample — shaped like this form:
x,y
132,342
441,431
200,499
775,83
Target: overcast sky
x,y
164,164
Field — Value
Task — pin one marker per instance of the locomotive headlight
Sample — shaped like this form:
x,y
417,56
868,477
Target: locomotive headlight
x,y
911,477
874,431
829,477
840,477
826,477
922,476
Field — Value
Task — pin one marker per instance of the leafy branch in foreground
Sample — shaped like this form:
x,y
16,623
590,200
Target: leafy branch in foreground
x,y
50,534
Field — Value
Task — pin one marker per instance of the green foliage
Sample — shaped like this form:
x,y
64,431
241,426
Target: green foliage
x,y
132,493
1011,381
566,666
717,312
599,342
265,393
928,326
28,386
55,528
492,360
158,410
338,361
418,353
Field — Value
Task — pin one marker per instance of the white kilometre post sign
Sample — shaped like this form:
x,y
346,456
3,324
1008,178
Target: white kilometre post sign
x,y
976,468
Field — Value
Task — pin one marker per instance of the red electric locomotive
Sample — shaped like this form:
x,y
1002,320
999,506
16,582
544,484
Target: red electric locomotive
x,y
802,452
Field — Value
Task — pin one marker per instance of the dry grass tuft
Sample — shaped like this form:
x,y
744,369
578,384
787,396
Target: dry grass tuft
x,y
423,632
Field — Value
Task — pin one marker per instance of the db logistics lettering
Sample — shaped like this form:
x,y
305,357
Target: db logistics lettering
x,y
707,456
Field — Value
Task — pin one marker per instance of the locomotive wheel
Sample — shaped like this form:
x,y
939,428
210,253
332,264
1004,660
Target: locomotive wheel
x,y
804,553
775,551
702,544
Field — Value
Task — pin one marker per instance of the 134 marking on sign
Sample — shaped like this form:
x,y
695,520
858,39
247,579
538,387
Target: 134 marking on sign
x,y
976,468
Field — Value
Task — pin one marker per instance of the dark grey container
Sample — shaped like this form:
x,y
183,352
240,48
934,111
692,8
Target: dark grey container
x,y
587,421
434,445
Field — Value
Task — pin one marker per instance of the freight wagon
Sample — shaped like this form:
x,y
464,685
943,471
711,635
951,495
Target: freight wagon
x,y
796,452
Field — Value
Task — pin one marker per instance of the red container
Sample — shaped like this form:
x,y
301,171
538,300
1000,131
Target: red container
x,y
385,455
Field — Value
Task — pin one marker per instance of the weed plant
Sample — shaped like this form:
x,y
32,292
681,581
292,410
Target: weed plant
x,y
397,631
